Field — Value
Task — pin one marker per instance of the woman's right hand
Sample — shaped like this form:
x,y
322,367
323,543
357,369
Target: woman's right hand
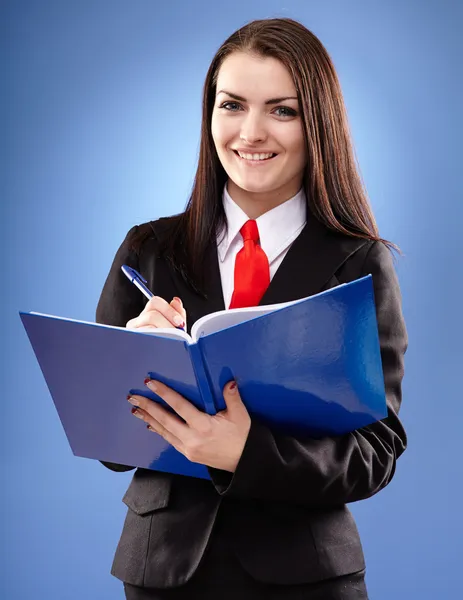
x,y
159,313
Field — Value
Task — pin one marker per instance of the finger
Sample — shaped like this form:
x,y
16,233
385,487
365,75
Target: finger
x,y
188,411
156,427
177,304
170,422
149,319
158,304
232,397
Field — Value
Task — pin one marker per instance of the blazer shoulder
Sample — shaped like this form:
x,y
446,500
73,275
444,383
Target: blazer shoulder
x,y
349,250
152,233
379,252
362,250
357,257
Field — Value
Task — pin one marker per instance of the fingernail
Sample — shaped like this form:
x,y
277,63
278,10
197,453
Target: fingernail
x,y
133,401
178,321
178,300
146,381
137,413
233,386
151,384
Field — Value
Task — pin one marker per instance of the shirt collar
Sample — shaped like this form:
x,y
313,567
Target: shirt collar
x,y
276,226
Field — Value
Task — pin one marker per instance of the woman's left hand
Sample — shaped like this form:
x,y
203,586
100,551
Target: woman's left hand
x,y
216,441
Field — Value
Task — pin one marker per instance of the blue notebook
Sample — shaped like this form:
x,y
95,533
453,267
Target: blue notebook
x,y
309,367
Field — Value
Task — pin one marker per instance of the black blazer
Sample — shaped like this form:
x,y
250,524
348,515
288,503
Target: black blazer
x,y
284,509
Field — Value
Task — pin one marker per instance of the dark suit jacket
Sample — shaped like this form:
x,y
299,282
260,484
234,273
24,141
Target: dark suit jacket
x,y
284,509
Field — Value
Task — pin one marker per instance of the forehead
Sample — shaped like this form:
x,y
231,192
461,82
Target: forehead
x,y
255,77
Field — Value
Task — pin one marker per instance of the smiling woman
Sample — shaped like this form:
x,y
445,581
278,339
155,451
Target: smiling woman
x,y
259,138
277,212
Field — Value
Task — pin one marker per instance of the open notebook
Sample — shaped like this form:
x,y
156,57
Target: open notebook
x,y
308,367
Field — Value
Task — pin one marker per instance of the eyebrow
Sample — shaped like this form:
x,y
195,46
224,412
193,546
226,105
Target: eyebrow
x,y
271,101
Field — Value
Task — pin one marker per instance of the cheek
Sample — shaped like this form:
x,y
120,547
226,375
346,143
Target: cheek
x,y
215,131
296,145
223,131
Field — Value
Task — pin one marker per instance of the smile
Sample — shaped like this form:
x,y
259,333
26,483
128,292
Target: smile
x,y
255,158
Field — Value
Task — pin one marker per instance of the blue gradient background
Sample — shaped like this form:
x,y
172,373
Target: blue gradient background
x,y
100,108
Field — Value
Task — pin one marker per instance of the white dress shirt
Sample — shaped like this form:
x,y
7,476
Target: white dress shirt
x,y
278,228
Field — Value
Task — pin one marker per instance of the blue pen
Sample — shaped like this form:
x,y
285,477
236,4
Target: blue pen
x,y
139,282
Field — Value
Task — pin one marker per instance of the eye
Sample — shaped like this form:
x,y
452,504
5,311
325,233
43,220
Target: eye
x,y
287,111
281,111
231,106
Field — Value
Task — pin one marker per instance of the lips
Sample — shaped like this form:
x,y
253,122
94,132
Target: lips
x,y
255,161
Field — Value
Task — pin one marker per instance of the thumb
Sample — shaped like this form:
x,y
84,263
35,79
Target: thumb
x,y
177,304
231,395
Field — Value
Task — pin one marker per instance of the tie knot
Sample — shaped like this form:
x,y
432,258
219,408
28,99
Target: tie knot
x,y
249,231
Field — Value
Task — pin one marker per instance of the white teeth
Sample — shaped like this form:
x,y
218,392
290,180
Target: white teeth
x,y
255,156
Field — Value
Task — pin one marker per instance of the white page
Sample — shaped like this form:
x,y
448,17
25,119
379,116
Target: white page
x,y
227,318
168,332
209,323
172,333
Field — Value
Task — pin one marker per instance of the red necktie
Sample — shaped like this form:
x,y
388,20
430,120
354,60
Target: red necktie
x,y
252,271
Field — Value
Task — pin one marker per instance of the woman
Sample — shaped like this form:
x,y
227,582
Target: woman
x,y
272,522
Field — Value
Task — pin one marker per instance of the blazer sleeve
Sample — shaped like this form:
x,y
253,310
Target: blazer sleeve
x,y
342,469
120,301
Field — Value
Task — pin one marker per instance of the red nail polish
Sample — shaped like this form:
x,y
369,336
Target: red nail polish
x,y
128,396
233,385
147,380
133,410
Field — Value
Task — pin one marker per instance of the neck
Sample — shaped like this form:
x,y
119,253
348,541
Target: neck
x,y
255,204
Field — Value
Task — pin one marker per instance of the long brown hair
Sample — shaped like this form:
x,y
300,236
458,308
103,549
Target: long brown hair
x,y
333,186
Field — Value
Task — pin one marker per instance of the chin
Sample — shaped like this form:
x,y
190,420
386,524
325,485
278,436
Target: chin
x,y
262,189
253,185
255,188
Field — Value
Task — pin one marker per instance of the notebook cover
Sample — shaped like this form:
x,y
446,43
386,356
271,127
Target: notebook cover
x,y
90,369
313,367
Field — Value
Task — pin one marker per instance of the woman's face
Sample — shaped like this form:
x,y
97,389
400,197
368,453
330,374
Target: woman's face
x,y
257,131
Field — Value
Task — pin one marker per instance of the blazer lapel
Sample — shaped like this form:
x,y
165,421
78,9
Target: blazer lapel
x,y
314,257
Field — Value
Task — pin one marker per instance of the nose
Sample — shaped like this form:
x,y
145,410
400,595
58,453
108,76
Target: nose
x,y
252,129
